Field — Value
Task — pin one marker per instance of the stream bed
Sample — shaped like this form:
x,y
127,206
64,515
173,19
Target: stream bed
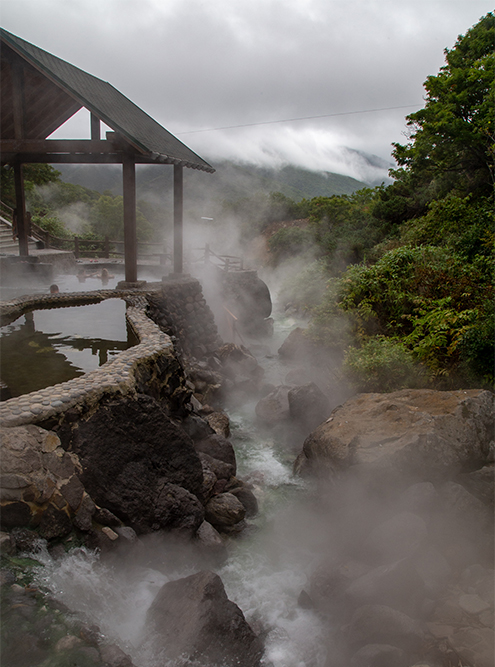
x,y
266,570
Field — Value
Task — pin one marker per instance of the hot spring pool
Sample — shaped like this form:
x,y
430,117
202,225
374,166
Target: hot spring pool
x,y
44,347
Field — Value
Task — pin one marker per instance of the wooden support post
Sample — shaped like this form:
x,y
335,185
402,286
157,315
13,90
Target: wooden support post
x,y
76,247
178,217
20,202
106,248
95,127
130,236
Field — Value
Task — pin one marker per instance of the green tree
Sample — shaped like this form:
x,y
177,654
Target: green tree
x,y
451,145
34,174
107,219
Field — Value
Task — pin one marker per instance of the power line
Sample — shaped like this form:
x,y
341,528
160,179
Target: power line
x,y
290,120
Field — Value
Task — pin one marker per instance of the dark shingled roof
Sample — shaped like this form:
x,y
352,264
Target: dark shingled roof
x,y
109,105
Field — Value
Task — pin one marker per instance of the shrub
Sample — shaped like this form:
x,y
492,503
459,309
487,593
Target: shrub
x,y
304,289
289,242
381,365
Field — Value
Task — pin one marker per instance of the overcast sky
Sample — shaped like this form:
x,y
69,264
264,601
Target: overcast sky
x,y
201,64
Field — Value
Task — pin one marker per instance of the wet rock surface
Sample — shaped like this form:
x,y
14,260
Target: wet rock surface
x,y
406,479
193,618
133,458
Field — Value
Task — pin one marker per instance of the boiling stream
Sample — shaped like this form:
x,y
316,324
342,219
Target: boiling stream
x,y
264,574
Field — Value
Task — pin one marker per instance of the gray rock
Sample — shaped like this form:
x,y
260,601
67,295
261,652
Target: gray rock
x,y
400,536
295,346
84,515
423,435
113,656
481,484
193,618
420,498
397,585
210,542
130,450
465,508
274,408
379,624
224,510
247,498
434,570
54,523
218,448
378,655
308,405
220,469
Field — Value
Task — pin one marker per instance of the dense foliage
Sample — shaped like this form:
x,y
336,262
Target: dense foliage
x,y
66,209
414,306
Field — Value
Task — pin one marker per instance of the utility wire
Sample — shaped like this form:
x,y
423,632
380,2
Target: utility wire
x,y
290,120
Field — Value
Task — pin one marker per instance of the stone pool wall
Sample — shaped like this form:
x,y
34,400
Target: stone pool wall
x,y
150,367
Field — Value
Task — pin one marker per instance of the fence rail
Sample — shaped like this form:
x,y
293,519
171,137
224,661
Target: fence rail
x,y
105,248
225,262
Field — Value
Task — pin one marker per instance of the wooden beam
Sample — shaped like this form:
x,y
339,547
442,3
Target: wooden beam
x,y
67,158
95,127
130,236
20,212
56,146
178,217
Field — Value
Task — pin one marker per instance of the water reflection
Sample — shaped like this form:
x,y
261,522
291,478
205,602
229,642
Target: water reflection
x,y
43,348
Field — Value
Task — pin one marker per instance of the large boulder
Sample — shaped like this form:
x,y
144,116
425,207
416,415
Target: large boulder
x,y
417,433
39,485
193,618
274,407
218,448
308,405
139,464
295,346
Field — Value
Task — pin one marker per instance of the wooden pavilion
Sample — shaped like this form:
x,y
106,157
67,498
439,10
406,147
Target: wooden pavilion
x,y
40,92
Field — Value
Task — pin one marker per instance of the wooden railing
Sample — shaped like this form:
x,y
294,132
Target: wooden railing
x,y
83,247
224,262
7,211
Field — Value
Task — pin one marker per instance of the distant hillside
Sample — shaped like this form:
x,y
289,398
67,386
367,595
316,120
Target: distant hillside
x,y
231,181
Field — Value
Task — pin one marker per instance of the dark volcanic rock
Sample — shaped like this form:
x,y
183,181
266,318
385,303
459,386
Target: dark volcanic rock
x,y
247,498
15,514
219,448
274,407
308,405
194,619
177,509
220,469
224,510
129,449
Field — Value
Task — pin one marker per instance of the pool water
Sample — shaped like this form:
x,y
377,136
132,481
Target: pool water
x,y
44,347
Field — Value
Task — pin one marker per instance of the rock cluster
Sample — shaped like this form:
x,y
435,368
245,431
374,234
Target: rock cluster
x,y
126,466
407,478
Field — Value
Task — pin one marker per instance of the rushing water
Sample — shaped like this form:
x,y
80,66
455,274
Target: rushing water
x,y
266,570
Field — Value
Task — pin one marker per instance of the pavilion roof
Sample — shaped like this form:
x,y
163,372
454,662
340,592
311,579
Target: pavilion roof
x,y
54,90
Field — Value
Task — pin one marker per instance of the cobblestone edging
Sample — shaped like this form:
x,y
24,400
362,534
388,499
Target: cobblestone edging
x,y
118,375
